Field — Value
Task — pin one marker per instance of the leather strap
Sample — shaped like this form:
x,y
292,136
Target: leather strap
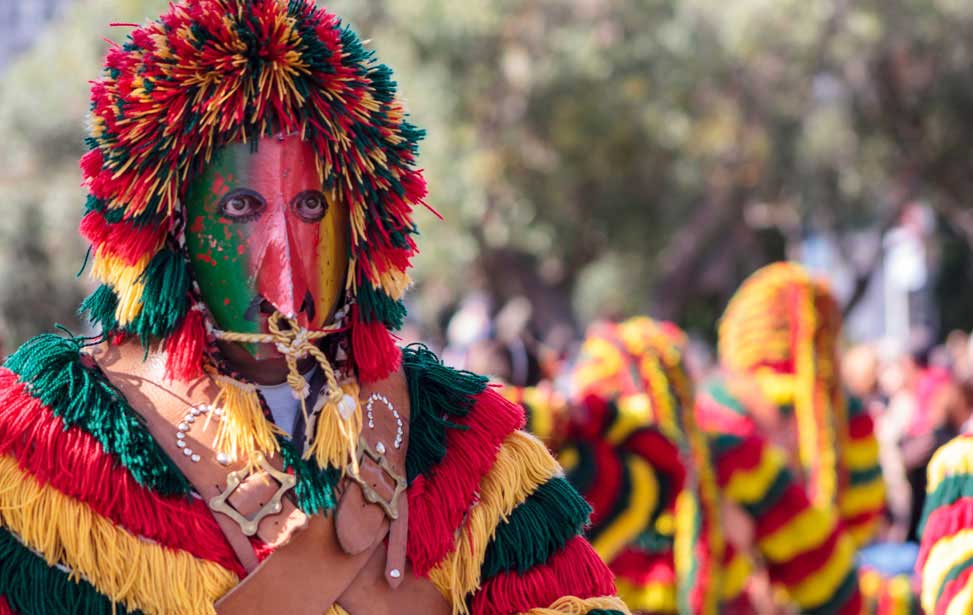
x,y
163,405
383,449
317,562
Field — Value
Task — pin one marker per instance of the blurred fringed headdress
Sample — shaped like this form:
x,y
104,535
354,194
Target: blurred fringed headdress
x,y
209,73
630,376
782,327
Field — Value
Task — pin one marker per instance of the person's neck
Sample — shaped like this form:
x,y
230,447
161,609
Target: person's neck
x,y
260,371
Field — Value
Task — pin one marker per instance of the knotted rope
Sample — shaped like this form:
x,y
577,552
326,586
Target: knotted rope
x,y
340,409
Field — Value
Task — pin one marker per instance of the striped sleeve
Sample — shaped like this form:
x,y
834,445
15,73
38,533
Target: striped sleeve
x,y
83,497
493,523
945,559
863,500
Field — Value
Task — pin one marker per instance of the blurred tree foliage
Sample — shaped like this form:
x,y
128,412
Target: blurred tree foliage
x,y
600,156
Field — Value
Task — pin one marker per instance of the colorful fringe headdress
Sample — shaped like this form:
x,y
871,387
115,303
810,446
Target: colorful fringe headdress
x,y
635,368
782,327
209,73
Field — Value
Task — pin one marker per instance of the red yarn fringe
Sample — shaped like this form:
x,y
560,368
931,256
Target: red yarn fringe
x,y
852,606
743,457
661,453
803,565
73,462
576,570
861,427
185,348
592,424
91,163
605,490
792,502
439,502
951,589
122,239
5,607
374,349
943,522
641,567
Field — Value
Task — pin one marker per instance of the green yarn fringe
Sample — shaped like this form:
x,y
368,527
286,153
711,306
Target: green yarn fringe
x,y
50,366
31,587
839,598
437,393
537,528
315,487
100,306
373,304
949,490
165,298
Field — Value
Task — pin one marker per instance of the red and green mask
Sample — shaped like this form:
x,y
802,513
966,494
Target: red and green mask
x,y
262,237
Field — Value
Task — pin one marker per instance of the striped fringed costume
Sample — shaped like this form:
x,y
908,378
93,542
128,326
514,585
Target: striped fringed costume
x,y
780,332
778,342
627,447
945,562
808,555
94,517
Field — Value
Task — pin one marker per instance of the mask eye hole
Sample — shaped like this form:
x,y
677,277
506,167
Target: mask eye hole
x,y
310,205
242,205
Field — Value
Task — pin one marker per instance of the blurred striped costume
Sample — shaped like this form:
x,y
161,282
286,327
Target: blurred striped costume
x,y
945,562
627,446
778,342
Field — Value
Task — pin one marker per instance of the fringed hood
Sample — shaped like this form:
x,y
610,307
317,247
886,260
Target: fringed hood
x,y
782,328
209,73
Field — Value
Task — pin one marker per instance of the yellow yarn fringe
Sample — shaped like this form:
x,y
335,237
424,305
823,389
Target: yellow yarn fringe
x,y
945,554
655,597
952,459
336,437
735,575
683,546
125,281
570,605
633,520
816,589
244,428
522,465
809,529
139,574
335,440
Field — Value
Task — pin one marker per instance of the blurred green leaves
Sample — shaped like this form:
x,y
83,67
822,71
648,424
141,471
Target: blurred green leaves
x,y
623,148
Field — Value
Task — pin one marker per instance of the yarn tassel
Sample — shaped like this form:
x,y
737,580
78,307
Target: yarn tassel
x,y
185,348
243,429
376,354
335,441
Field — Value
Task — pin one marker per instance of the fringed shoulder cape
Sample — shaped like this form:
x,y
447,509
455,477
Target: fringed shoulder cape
x,y
945,561
806,549
95,519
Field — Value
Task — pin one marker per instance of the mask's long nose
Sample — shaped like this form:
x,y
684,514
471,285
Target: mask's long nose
x,y
281,279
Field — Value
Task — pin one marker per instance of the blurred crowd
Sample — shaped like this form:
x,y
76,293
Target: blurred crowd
x,y
920,398
777,469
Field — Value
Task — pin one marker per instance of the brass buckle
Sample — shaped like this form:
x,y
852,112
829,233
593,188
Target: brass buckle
x,y
249,526
390,506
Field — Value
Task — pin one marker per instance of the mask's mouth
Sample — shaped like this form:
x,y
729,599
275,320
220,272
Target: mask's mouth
x,y
261,306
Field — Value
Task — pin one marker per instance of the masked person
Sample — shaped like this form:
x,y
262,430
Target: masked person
x,y
755,501
782,425
628,443
246,437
